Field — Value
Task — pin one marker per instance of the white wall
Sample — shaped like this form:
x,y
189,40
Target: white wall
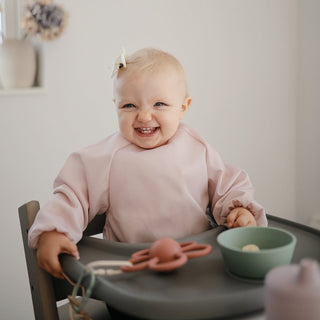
x,y
308,112
241,59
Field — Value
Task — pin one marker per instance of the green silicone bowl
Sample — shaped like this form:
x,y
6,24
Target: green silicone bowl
x,y
276,248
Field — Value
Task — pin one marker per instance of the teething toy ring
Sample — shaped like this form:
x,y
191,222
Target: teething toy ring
x,y
166,254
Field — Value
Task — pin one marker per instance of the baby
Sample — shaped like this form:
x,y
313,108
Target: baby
x,y
154,178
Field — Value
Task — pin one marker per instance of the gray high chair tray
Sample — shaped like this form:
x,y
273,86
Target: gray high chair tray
x,y
201,289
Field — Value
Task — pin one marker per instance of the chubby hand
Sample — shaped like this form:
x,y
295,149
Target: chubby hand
x,y
50,245
240,217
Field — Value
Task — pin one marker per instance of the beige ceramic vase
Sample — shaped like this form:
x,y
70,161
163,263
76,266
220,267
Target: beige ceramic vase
x,y
18,63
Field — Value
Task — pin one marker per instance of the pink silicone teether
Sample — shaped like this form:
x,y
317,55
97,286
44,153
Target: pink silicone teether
x,y
166,254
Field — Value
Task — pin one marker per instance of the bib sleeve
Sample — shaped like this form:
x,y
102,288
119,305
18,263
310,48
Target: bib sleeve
x,y
230,187
81,191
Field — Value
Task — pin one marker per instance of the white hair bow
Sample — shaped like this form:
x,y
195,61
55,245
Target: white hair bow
x,y
120,62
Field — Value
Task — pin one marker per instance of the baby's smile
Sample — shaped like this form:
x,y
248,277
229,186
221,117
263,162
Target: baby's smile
x,y
146,131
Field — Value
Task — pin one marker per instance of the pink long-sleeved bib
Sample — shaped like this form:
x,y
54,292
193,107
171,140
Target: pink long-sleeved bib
x,y
147,194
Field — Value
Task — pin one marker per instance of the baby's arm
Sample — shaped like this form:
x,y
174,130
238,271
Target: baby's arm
x,y
50,245
240,217
230,188
80,193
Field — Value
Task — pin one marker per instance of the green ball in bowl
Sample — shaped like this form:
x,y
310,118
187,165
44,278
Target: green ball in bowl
x,y
276,247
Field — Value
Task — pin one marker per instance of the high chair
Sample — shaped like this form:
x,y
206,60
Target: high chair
x,y
199,290
46,290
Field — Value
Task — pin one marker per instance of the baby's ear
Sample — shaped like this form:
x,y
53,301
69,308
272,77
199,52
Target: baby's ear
x,y
185,105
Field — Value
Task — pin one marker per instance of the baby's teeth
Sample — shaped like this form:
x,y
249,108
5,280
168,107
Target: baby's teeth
x,y
146,130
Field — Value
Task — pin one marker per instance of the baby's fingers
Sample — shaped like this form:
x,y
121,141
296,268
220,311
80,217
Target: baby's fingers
x,y
252,223
54,268
50,262
240,217
243,221
71,248
50,245
231,218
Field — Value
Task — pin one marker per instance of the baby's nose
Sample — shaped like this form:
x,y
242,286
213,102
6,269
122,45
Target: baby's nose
x,y
145,115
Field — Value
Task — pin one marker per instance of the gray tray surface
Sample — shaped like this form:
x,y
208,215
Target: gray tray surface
x,y
201,289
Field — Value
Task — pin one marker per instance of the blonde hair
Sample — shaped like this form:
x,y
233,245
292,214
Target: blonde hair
x,y
151,60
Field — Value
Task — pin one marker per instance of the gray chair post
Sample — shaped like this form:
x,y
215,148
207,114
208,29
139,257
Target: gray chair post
x,y
41,283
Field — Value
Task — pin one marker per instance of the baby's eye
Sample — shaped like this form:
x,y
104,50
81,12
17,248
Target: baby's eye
x,y
159,104
128,106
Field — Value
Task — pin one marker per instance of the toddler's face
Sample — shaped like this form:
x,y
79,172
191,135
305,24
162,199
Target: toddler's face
x,y
150,106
